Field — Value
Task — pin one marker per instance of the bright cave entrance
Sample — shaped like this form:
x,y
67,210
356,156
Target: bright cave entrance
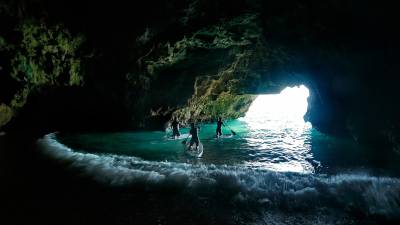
x,y
284,109
277,131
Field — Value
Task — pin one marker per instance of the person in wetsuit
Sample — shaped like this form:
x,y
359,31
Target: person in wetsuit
x,y
219,125
175,128
194,131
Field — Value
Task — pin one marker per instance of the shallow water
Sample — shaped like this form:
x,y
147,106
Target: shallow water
x,y
275,171
294,148
279,150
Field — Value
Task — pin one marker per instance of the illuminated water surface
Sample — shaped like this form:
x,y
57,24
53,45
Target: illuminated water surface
x,y
278,132
276,158
272,135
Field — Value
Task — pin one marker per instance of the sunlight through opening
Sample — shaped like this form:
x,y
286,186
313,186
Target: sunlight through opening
x,y
289,106
276,127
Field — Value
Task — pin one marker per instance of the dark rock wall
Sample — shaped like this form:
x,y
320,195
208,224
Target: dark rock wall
x,y
140,64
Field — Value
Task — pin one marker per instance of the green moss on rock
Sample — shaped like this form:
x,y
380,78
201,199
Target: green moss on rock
x,y
238,60
238,32
20,98
47,56
6,113
44,57
225,105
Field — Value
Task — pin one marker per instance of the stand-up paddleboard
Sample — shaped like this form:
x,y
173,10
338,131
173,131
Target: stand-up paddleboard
x,y
192,151
171,138
223,136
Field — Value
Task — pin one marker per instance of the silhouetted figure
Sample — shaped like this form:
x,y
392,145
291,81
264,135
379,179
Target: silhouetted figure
x,y
175,128
195,137
219,125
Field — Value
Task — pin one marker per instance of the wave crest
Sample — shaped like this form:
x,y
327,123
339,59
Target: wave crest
x,y
369,195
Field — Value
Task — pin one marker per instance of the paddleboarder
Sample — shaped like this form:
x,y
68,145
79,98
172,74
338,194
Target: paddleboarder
x,y
219,125
175,128
194,131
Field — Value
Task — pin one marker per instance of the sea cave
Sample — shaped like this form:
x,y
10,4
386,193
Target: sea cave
x,y
199,112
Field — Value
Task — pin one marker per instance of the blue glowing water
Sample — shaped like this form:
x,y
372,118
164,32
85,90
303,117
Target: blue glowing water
x,y
278,147
236,171
281,172
272,136
277,168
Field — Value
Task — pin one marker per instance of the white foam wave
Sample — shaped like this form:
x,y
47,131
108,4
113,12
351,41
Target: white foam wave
x,y
291,191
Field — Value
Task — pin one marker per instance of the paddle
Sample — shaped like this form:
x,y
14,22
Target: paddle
x,y
233,132
184,142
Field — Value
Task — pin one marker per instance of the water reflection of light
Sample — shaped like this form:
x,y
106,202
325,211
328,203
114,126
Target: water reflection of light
x,y
277,128
288,108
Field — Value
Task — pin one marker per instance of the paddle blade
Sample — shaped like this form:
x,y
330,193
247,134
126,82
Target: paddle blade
x,y
233,132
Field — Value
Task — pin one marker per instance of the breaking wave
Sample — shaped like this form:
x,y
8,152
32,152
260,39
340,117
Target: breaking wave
x,y
262,189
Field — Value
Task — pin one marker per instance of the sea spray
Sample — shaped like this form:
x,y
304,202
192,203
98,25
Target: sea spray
x,y
260,188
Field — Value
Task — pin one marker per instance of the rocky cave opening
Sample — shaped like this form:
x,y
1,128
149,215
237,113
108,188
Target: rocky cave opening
x,y
121,73
289,106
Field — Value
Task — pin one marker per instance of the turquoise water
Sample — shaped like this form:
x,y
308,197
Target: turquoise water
x,y
276,168
272,136
280,150
279,147
282,171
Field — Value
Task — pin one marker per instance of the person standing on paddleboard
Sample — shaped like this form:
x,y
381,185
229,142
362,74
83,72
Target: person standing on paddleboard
x,y
219,125
175,128
194,131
